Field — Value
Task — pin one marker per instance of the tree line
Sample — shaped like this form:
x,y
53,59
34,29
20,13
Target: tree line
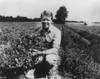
x,y
17,19
60,17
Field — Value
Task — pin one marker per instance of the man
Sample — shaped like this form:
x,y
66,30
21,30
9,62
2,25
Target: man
x,y
52,36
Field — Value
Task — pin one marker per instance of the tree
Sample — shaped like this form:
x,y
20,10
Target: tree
x,y
61,14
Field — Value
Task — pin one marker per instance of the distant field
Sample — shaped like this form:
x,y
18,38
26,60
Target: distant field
x,y
93,28
16,27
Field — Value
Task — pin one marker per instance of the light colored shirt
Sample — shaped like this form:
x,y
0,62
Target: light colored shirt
x,y
54,34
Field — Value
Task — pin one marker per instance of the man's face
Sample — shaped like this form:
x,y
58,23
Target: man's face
x,y
46,21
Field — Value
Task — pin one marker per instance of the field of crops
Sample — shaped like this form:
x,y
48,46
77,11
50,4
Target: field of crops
x,y
79,51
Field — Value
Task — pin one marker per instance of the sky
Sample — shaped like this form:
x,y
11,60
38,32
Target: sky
x,y
79,10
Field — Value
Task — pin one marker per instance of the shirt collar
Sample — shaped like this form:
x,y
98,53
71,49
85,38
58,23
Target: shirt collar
x,y
45,31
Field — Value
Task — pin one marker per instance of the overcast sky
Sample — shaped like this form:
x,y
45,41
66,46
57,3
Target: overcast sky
x,y
80,10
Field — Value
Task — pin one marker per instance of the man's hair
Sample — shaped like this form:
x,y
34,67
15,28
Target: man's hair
x,y
47,14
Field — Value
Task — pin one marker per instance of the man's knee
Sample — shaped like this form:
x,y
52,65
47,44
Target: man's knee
x,y
53,59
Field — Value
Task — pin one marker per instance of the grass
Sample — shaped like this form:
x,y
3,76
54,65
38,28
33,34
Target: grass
x,y
79,51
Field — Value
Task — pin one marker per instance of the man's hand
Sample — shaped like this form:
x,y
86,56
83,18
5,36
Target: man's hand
x,y
39,59
36,52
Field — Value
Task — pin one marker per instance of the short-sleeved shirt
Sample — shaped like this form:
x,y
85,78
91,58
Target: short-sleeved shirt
x,y
52,36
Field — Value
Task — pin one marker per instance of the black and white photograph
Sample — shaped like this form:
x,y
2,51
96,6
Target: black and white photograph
x,y
49,39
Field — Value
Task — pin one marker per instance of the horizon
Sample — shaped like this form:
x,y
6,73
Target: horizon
x,y
79,10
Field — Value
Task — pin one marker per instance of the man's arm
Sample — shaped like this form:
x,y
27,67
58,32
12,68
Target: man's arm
x,y
51,51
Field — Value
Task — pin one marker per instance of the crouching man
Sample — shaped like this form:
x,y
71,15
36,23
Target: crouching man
x,y
47,65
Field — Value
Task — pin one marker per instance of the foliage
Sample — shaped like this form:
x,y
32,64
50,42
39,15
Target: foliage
x,y
21,50
61,14
79,49
16,54
80,55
